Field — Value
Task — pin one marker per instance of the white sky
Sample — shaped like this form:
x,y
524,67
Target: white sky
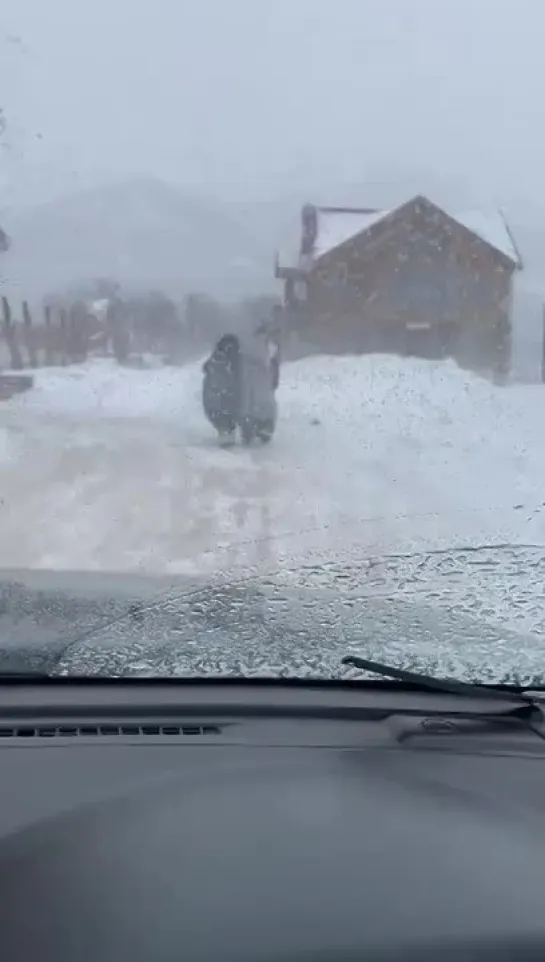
x,y
249,97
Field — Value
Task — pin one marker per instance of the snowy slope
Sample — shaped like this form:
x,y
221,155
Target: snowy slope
x,y
106,468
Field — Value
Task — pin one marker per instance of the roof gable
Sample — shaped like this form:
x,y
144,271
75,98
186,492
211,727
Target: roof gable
x,y
339,226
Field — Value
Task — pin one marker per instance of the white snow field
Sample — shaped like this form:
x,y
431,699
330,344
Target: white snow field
x,y
105,468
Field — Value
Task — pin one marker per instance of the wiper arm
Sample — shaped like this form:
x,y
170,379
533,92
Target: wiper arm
x,y
444,686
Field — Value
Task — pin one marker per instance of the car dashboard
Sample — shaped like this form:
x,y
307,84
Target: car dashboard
x,y
151,821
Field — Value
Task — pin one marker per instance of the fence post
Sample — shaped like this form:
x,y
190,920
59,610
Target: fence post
x,y
64,336
48,345
29,336
11,337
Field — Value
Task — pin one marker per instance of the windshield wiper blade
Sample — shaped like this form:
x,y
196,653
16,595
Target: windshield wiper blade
x,y
444,686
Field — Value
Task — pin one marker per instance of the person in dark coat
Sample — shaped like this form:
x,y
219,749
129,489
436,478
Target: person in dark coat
x,y
221,387
259,378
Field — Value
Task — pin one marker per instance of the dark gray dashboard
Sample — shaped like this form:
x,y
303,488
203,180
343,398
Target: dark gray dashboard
x,y
238,823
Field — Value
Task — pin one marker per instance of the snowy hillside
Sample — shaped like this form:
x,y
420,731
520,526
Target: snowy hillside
x,y
105,468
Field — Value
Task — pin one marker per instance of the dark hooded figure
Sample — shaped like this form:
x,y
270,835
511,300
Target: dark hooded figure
x,y
259,378
221,387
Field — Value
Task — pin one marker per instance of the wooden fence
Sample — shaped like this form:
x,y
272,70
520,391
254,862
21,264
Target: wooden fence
x,y
55,339
65,335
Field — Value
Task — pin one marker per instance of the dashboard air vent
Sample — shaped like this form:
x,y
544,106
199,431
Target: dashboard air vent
x,y
96,731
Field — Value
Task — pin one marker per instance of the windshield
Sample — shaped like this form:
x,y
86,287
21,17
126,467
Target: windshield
x,y
271,338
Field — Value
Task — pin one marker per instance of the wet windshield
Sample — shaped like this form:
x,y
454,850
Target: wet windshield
x,y
271,338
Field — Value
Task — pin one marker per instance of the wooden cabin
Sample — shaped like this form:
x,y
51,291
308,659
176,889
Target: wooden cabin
x,y
413,280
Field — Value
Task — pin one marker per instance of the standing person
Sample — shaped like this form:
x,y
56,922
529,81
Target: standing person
x,y
259,371
221,387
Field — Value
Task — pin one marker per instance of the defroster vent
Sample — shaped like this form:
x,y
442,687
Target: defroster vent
x,y
96,731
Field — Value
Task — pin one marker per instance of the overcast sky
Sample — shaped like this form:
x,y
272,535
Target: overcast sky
x,y
250,97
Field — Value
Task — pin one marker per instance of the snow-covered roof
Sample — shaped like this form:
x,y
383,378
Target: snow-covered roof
x,y
492,228
335,227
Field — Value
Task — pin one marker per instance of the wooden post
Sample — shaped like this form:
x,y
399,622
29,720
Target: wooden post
x,y
11,337
48,346
28,334
71,334
63,336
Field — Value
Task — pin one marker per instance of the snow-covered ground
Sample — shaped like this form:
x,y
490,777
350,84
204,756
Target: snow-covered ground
x,y
117,469
374,459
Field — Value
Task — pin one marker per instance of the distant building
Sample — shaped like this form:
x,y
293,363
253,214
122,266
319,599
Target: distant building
x,y
413,280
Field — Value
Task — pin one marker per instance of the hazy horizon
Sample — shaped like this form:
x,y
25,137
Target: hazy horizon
x,y
362,102
249,100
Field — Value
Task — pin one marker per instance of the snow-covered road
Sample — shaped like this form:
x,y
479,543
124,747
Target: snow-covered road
x,y
104,468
